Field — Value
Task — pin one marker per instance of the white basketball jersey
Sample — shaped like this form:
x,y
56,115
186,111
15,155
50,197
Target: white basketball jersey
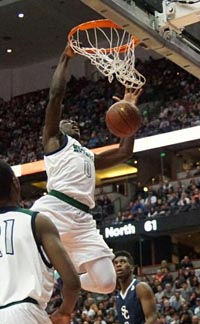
x,y
24,271
71,171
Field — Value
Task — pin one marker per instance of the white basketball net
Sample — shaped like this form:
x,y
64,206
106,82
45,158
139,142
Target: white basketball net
x,y
101,46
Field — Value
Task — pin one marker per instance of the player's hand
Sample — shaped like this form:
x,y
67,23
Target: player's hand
x,y
58,318
69,52
131,95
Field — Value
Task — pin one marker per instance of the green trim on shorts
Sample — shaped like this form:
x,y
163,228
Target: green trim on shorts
x,y
71,201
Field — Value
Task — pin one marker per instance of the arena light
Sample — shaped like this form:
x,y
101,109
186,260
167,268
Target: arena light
x,y
40,184
161,140
20,15
116,171
166,139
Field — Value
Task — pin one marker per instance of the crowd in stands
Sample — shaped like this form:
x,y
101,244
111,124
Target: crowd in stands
x,y
164,200
103,208
170,101
177,296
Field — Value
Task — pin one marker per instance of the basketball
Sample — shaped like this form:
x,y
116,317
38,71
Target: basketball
x,y
123,119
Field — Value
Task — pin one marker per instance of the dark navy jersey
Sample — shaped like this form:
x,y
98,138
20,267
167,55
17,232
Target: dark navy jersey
x,y
129,308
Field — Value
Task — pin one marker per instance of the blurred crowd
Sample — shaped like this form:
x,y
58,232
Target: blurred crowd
x,y
167,199
177,296
170,101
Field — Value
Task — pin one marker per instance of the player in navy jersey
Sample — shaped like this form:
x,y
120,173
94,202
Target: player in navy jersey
x,y
70,169
26,272
135,301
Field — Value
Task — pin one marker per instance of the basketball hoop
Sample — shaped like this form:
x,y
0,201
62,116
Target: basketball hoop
x,y
110,48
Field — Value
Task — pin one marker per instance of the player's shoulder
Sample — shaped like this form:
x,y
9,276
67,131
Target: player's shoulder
x,y
24,211
143,288
142,284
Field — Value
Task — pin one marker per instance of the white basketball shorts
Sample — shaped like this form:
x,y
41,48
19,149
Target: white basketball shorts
x,y
77,229
24,313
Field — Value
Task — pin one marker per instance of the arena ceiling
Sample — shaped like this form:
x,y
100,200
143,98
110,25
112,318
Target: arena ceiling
x,y
42,33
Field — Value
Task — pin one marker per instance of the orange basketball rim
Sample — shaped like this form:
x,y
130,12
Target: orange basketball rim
x,y
101,23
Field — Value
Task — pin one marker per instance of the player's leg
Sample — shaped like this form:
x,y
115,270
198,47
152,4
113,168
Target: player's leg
x,y
100,276
87,250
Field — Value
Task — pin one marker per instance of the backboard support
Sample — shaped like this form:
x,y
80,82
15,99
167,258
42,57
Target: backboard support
x,y
163,32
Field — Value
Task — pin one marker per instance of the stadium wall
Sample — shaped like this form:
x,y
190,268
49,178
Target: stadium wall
x,y
14,82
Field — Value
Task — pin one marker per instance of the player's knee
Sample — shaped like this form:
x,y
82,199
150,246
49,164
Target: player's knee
x,y
107,285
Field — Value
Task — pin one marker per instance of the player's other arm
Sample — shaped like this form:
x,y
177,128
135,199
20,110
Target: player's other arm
x,y
48,237
56,95
124,151
114,156
147,299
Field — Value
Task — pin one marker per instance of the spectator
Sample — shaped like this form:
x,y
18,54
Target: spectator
x,y
167,292
175,318
164,265
107,205
159,294
186,262
186,291
167,277
197,308
185,318
176,301
180,275
195,319
159,275
184,202
167,309
172,199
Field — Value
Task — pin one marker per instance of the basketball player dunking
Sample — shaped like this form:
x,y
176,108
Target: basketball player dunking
x,y
71,183
135,300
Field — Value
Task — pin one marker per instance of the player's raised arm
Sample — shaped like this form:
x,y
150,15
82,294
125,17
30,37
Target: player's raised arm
x,y
124,151
48,237
56,95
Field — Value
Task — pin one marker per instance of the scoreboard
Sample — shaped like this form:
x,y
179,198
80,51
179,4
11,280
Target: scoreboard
x,y
154,227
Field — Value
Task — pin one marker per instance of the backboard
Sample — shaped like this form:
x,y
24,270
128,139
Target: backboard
x,y
169,27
